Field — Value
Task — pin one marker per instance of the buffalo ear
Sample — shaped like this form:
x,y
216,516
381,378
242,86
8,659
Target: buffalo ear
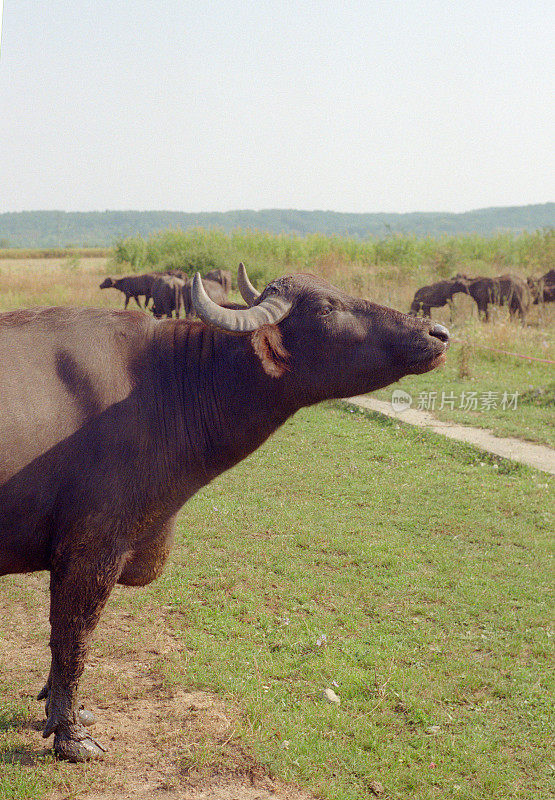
x,y
268,346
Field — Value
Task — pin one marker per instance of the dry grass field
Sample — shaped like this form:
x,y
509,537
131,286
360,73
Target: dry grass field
x,y
25,283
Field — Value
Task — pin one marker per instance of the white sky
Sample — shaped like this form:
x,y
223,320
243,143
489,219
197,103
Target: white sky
x,y
212,105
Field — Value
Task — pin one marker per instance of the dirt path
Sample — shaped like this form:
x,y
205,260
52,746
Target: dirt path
x,y
534,455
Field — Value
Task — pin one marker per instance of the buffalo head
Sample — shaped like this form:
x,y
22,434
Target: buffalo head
x,y
325,342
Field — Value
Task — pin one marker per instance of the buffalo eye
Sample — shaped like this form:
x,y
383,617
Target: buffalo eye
x,y
324,310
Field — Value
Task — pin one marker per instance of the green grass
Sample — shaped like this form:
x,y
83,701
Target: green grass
x,y
17,780
411,574
428,572
495,373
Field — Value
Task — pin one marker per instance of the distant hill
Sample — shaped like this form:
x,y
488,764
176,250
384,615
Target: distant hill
x,y
101,228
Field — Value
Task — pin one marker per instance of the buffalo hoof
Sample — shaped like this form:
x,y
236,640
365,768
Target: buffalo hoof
x,y
76,749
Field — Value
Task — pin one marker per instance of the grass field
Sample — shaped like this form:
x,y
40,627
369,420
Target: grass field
x,y
511,396
409,574
398,569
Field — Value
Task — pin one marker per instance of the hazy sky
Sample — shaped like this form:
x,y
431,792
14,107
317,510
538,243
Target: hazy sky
x,y
211,105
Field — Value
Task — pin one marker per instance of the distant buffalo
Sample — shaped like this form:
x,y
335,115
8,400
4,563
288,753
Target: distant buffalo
x,y
222,276
167,296
510,290
435,295
176,273
543,289
215,291
134,286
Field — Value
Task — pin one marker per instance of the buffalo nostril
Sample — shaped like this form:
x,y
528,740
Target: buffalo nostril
x,y
440,332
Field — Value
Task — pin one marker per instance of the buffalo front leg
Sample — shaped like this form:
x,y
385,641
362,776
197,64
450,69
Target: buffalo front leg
x,y
79,588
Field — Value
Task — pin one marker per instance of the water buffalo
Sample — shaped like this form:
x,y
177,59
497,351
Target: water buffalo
x,y
504,289
167,296
111,420
543,289
134,286
222,276
435,295
213,289
177,273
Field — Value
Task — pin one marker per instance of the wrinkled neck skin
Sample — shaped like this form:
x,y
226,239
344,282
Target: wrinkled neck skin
x,y
211,401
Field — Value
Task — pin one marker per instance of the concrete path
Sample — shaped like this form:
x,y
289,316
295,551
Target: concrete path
x,y
534,455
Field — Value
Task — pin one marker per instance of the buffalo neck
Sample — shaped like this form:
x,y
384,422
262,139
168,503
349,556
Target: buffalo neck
x,y
213,402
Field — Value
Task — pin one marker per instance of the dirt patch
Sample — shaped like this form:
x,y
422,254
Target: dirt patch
x,y
167,743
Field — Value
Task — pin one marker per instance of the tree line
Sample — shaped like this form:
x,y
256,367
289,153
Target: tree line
x,y
103,228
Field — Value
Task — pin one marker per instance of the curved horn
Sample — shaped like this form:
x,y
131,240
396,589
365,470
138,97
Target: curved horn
x,y
248,292
269,312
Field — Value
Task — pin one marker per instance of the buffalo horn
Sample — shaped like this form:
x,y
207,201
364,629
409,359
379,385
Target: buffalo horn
x,y
269,312
248,292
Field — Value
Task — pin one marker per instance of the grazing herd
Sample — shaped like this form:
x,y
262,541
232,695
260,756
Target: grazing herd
x,y
170,291
510,290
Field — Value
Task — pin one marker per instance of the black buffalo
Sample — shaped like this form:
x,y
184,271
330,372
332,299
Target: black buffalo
x,y
543,289
167,296
510,290
111,420
435,295
134,286
214,289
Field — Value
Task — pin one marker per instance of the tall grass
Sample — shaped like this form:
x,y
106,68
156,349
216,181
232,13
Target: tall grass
x,y
397,255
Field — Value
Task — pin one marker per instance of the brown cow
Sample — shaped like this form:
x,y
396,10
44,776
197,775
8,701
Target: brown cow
x,y
134,286
111,420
